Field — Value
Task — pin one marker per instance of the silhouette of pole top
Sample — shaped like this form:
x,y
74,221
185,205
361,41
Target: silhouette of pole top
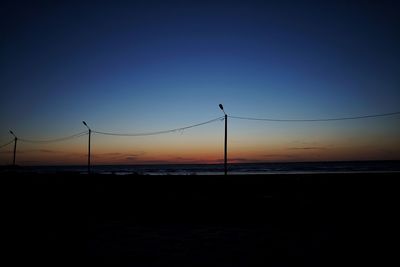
x,y
222,108
11,132
84,123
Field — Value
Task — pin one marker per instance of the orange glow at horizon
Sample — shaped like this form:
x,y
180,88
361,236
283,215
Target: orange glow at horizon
x,y
272,144
200,153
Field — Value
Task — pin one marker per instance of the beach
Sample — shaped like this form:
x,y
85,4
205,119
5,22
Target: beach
x,y
248,220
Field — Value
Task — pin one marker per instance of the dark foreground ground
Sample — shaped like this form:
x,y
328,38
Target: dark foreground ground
x,y
266,220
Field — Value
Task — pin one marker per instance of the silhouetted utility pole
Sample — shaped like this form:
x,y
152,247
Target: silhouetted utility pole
x,y
15,146
90,133
226,141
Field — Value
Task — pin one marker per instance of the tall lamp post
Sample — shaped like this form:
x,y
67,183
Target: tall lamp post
x,y
15,146
226,140
90,133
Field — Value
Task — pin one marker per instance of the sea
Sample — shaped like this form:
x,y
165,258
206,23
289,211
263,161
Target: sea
x,y
233,168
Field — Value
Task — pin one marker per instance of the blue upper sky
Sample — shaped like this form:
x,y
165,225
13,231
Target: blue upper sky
x,y
151,65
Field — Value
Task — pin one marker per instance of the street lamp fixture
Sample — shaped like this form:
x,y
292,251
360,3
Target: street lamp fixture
x,y
222,108
11,132
84,123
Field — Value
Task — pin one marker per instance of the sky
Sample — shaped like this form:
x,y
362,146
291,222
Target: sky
x,y
142,66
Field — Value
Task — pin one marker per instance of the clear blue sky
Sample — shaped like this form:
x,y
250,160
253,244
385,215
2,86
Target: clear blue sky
x,y
154,65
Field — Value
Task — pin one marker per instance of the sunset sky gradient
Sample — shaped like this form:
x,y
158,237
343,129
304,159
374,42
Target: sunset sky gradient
x,y
138,66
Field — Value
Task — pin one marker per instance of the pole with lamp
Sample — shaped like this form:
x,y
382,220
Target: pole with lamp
x,y
226,141
15,146
90,133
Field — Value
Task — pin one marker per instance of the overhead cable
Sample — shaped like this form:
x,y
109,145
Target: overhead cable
x,y
159,132
318,119
7,144
54,140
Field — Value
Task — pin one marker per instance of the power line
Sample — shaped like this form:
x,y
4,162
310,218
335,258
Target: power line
x,y
7,144
77,135
160,132
318,120
54,140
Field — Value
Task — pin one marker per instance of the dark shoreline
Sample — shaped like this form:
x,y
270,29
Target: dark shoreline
x,y
254,220
260,168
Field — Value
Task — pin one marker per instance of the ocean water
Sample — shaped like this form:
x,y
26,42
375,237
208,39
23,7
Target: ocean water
x,y
236,168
